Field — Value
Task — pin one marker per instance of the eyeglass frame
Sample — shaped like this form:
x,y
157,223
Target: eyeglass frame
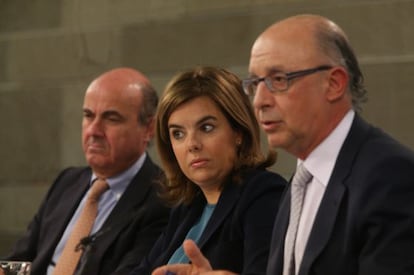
x,y
247,83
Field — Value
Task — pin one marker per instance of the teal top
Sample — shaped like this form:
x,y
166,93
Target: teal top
x,y
194,234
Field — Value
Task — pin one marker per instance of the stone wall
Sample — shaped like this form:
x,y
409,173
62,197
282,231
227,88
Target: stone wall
x,y
51,49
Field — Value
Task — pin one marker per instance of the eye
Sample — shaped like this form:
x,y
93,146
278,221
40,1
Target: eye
x,y
278,78
114,118
254,82
207,128
176,134
87,115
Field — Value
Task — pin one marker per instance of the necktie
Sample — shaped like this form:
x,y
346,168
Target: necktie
x,y
301,178
68,261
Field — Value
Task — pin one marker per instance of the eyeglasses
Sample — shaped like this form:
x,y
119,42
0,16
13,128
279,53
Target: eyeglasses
x,y
278,82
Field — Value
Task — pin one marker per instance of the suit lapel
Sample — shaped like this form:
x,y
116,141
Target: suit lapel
x,y
227,200
188,218
129,203
65,207
224,206
324,221
334,194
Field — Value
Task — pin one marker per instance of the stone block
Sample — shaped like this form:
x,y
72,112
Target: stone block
x,y
71,125
376,31
29,143
176,45
21,203
22,15
60,57
390,96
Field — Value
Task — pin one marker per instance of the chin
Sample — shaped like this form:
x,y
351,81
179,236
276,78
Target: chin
x,y
200,181
97,161
275,142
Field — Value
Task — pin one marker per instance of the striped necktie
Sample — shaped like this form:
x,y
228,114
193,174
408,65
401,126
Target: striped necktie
x,y
300,180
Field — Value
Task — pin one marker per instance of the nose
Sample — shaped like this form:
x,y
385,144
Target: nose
x,y
194,144
263,97
93,127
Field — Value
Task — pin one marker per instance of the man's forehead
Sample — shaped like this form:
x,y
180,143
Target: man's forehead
x,y
273,52
268,59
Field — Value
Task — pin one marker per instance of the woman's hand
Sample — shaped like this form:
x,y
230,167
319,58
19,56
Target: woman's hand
x,y
199,264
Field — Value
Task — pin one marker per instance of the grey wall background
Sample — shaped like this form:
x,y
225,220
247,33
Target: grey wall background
x,y
51,49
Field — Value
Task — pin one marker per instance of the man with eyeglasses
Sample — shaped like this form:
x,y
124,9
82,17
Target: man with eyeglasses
x,y
357,214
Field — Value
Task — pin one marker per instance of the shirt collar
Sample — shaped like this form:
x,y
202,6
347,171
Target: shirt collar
x,y
120,182
321,161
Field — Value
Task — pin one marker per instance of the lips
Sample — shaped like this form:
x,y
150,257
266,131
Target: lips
x,y
95,147
270,125
197,163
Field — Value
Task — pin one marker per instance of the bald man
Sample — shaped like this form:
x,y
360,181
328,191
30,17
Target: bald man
x,y
117,126
357,214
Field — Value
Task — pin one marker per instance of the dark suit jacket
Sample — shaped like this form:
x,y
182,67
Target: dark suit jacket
x,y
365,223
132,227
237,236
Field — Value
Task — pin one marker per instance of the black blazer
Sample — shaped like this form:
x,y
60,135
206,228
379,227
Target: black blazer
x,y
365,223
129,231
237,236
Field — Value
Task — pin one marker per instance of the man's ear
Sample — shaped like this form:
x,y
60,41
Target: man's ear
x,y
338,84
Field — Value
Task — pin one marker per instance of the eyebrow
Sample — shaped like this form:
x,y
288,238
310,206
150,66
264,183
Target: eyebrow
x,y
106,113
200,121
269,71
111,113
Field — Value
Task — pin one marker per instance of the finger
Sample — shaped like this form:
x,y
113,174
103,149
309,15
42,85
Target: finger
x,y
174,269
218,272
159,271
196,257
162,271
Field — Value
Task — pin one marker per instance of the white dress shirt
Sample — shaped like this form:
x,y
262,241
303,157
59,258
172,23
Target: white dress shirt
x,y
320,163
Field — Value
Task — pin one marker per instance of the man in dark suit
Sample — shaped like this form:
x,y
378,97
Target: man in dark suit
x,y
118,123
358,209
357,215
